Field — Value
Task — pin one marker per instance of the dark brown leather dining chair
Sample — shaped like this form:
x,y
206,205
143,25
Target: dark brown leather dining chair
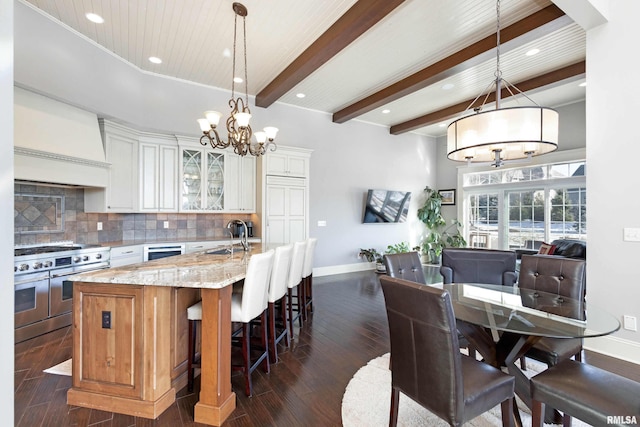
x,y
405,265
426,363
472,265
565,277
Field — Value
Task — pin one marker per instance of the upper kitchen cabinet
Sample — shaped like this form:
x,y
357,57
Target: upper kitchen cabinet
x,y
285,195
121,193
288,161
143,176
240,183
215,180
202,174
158,174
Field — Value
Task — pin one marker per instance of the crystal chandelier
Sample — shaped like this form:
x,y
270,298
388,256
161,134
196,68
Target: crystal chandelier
x,y
239,131
503,134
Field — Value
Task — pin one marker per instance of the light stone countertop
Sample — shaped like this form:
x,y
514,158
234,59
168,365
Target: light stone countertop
x,y
196,270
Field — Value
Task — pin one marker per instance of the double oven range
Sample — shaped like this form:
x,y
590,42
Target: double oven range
x,y
43,297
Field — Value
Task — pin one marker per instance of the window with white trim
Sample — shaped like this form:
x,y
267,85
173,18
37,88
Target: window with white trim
x,y
523,207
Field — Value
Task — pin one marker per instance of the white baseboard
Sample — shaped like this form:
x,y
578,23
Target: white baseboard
x,y
344,268
614,347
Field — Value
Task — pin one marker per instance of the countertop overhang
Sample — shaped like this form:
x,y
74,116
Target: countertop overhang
x,y
196,270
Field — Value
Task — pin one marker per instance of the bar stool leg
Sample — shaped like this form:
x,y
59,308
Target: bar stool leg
x,y
192,354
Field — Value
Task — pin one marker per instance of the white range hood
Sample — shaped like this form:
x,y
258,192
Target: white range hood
x,y
56,143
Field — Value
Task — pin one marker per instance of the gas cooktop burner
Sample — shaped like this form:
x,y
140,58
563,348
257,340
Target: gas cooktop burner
x,y
43,250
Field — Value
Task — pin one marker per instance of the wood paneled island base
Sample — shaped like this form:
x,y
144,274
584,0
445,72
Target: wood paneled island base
x,y
121,405
129,349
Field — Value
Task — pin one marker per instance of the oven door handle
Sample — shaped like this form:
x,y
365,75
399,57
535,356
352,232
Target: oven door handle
x,y
78,270
30,278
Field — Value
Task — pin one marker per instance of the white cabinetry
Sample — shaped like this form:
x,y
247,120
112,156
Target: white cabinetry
x,y
158,190
215,180
121,193
125,255
143,176
286,195
202,174
287,216
240,183
289,161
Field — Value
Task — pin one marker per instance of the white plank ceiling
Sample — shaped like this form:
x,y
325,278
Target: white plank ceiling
x,y
191,36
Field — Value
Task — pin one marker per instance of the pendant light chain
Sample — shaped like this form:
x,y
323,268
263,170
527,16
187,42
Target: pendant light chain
x,y
233,71
498,71
246,79
239,130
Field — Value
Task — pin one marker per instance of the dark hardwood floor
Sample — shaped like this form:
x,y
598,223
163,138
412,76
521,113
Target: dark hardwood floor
x,y
347,329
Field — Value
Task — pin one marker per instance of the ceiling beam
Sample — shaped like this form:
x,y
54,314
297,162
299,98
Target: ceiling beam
x,y
534,26
572,71
361,17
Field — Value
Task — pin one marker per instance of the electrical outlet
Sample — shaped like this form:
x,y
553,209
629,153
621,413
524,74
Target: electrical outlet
x,y
631,234
99,226
629,323
166,224
106,320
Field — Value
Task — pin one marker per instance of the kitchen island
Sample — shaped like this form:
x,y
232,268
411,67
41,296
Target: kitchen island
x,y
130,334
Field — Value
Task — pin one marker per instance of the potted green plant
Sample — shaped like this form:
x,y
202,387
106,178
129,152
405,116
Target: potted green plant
x,y
372,255
398,248
439,235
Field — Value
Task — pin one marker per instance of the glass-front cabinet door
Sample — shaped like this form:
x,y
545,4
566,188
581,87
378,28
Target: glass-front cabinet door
x,y
202,180
215,181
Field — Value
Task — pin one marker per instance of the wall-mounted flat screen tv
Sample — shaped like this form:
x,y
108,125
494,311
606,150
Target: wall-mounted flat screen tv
x,y
385,206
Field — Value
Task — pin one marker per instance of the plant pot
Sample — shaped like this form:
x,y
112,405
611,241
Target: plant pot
x,y
380,268
434,259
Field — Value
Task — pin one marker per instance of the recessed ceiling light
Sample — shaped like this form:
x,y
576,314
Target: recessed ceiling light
x,y
238,79
583,84
155,60
442,125
94,18
448,86
532,52
226,52
300,95
386,111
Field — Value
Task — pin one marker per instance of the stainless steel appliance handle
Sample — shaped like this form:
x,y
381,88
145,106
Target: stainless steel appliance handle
x,y
19,280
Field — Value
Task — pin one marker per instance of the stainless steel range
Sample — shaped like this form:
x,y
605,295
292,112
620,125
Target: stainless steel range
x,y
43,297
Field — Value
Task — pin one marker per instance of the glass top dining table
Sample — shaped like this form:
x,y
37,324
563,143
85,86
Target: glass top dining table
x,y
529,312
503,322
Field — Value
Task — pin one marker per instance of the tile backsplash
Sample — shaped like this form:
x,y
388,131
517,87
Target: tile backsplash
x,y
45,214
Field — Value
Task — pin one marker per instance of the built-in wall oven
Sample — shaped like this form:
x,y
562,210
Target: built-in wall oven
x,y
162,250
43,297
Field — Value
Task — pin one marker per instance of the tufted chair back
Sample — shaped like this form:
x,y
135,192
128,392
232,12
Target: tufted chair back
x,y
564,277
471,265
552,274
405,266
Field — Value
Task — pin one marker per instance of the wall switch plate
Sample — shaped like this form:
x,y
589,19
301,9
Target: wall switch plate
x,y
629,323
322,223
99,226
106,320
166,224
631,234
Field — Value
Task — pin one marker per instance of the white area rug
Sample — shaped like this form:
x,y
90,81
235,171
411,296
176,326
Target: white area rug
x,y
63,368
367,400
